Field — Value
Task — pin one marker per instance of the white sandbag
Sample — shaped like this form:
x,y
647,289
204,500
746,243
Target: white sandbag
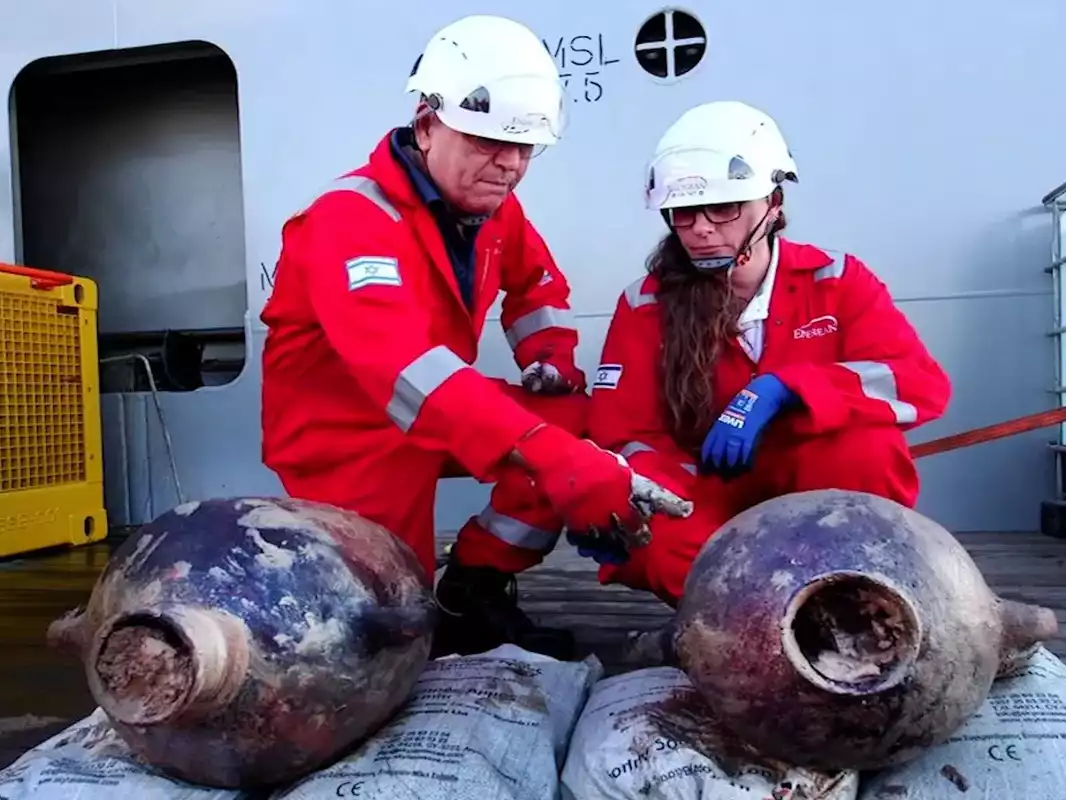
x,y
636,740
1013,747
89,761
493,726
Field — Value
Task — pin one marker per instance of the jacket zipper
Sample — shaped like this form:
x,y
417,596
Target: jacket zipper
x,y
484,273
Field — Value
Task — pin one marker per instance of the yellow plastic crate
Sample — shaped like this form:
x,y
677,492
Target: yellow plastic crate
x,y
51,460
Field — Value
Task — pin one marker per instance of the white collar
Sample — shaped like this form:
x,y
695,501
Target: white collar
x,y
758,308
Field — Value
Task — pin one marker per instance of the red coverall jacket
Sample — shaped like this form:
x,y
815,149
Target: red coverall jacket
x,y
367,383
836,339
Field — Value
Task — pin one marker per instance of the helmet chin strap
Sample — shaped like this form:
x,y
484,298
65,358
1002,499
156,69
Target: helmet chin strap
x,y
715,263
743,255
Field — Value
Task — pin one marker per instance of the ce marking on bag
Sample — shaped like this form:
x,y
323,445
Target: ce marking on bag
x,y
1000,753
350,789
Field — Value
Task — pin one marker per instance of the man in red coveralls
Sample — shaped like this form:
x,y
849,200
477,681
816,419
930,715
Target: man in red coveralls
x,y
380,297
746,366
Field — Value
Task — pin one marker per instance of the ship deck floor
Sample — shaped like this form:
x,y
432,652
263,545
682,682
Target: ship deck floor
x,y
42,691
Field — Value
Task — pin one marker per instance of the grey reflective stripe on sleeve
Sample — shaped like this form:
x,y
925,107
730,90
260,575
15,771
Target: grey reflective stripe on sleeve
x,y
419,380
536,321
632,448
879,383
364,186
368,189
834,269
635,297
516,532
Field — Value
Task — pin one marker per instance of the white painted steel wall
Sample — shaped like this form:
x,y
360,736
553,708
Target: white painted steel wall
x,y
925,135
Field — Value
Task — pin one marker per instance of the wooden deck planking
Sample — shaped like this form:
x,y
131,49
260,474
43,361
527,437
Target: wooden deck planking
x,y
563,591
42,691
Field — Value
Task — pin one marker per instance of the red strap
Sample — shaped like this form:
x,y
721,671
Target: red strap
x,y
1012,427
39,278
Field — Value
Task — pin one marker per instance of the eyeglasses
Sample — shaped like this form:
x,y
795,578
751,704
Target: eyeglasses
x,y
493,147
718,214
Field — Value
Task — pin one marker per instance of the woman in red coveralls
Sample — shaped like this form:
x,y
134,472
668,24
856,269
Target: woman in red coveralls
x,y
746,366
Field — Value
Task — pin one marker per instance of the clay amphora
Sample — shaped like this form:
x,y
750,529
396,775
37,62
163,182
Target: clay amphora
x,y
839,630
245,642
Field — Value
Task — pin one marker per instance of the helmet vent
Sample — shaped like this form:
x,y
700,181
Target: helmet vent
x,y
477,100
739,170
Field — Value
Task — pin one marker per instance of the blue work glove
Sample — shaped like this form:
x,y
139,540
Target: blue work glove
x,y
609,549
730,445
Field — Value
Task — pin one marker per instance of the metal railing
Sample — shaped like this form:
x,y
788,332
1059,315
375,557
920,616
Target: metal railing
x,y
1055,202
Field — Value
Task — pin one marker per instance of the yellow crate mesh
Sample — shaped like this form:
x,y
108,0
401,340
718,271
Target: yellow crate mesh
x,y
42,421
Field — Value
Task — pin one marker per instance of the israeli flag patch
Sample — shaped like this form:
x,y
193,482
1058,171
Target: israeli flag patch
x,y
607,376
372,271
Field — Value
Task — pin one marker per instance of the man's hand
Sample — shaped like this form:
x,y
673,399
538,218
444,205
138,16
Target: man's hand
x,y
545,377
595,491
612,545
730,445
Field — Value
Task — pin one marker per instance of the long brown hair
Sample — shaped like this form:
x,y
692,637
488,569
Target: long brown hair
x,y
699,312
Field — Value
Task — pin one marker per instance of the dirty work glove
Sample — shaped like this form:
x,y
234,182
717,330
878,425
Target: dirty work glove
x,y
552,376
593,490
729,447
609,547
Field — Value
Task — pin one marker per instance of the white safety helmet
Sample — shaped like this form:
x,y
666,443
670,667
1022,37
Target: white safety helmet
x,y
720,152
492,77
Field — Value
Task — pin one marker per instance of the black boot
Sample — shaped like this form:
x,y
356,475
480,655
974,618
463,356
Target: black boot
x,y
479,611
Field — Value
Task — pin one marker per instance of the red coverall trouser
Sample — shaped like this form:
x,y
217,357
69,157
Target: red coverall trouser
x,y
873,459
518,527
396,487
